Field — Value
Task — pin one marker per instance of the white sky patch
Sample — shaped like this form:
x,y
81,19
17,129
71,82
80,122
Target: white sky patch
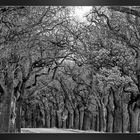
x,y
80,12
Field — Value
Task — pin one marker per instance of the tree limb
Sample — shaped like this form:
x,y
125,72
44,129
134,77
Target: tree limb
x,y
125,10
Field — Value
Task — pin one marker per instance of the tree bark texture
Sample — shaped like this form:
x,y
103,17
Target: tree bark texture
x,y
133,119
5,105
76,118
87,120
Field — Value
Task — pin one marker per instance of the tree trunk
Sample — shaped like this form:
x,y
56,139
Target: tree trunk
x,y
33,120
110,111
13,115
93,122
109,123
70,119
125,119
101,119
81,118
138,68
133,118
5,112
64,118
59,121
118,110
56,119
64,123
117,120
76,119
139,123
19,107
87,120
53,118
48,119
97,122
23,120
18,115
5,105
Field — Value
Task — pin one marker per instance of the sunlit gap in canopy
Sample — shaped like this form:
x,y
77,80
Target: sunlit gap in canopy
x,y
79,12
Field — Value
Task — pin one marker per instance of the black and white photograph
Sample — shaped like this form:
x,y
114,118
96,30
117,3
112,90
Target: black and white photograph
x,y
70,69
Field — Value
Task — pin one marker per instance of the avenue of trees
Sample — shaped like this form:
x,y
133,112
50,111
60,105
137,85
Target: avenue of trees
x,y
56,71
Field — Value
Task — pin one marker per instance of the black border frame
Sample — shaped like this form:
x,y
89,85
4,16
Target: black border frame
x,y
71,2
77,136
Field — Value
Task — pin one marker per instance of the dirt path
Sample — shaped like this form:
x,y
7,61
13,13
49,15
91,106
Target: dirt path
x,y
53,130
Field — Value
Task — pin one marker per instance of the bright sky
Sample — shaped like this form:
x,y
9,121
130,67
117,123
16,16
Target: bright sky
x,y
81,11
